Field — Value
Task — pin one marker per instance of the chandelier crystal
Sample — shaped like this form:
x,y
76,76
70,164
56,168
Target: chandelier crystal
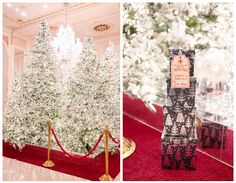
x,y
66,46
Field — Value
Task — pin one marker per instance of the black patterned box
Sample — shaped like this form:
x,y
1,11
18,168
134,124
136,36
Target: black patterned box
x,y
178,152
179,121
213,135
190,54
179,138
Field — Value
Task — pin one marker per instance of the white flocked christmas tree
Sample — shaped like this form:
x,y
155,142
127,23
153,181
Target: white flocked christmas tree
x,y
33,98
91,98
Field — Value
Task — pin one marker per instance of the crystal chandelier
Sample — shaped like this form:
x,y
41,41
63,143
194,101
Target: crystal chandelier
x,y
66,46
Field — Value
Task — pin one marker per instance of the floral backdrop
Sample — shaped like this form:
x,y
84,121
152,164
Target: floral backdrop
x,y
150,29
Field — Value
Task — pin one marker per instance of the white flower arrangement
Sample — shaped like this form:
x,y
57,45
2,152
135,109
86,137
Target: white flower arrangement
x,y
150,29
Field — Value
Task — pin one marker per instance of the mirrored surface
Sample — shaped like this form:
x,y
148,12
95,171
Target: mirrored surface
x,y
214,103
214,137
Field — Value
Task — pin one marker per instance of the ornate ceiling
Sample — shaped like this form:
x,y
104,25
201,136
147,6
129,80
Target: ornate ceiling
x,y
23,19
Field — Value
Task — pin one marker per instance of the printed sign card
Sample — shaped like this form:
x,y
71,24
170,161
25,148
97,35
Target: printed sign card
x,y
180,71
190,54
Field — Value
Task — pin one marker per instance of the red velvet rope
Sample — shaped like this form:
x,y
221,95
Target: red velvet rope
x,y
113,139
77,156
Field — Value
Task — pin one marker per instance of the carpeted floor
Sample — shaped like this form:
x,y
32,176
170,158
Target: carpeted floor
x,y
135,107
145,163
88,168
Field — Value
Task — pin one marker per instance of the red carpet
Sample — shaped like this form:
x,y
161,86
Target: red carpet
x,y
88,168
145,163
136,108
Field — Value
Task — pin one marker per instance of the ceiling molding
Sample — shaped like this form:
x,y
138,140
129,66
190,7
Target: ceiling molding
x,y
82,17
11,19
90,28
7,32
20,36
19,42
106,35
19,54
94,20
52,14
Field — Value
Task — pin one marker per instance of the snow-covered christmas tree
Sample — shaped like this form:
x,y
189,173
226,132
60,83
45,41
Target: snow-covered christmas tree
x,y
91,98
110,94
34,96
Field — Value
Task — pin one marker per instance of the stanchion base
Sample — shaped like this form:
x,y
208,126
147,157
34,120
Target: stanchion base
x,y
48,163
129,147
106,178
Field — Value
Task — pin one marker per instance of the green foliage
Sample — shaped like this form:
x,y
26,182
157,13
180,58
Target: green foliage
x,y
157,27
131,14
128,31
211,17
192,22
153,7
202,46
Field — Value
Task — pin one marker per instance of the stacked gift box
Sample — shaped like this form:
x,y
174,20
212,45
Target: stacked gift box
x,y
213,135
178,96
178,152
179,138
179,120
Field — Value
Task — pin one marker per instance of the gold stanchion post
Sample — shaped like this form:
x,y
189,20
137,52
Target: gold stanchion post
x,y
106,176
49,163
